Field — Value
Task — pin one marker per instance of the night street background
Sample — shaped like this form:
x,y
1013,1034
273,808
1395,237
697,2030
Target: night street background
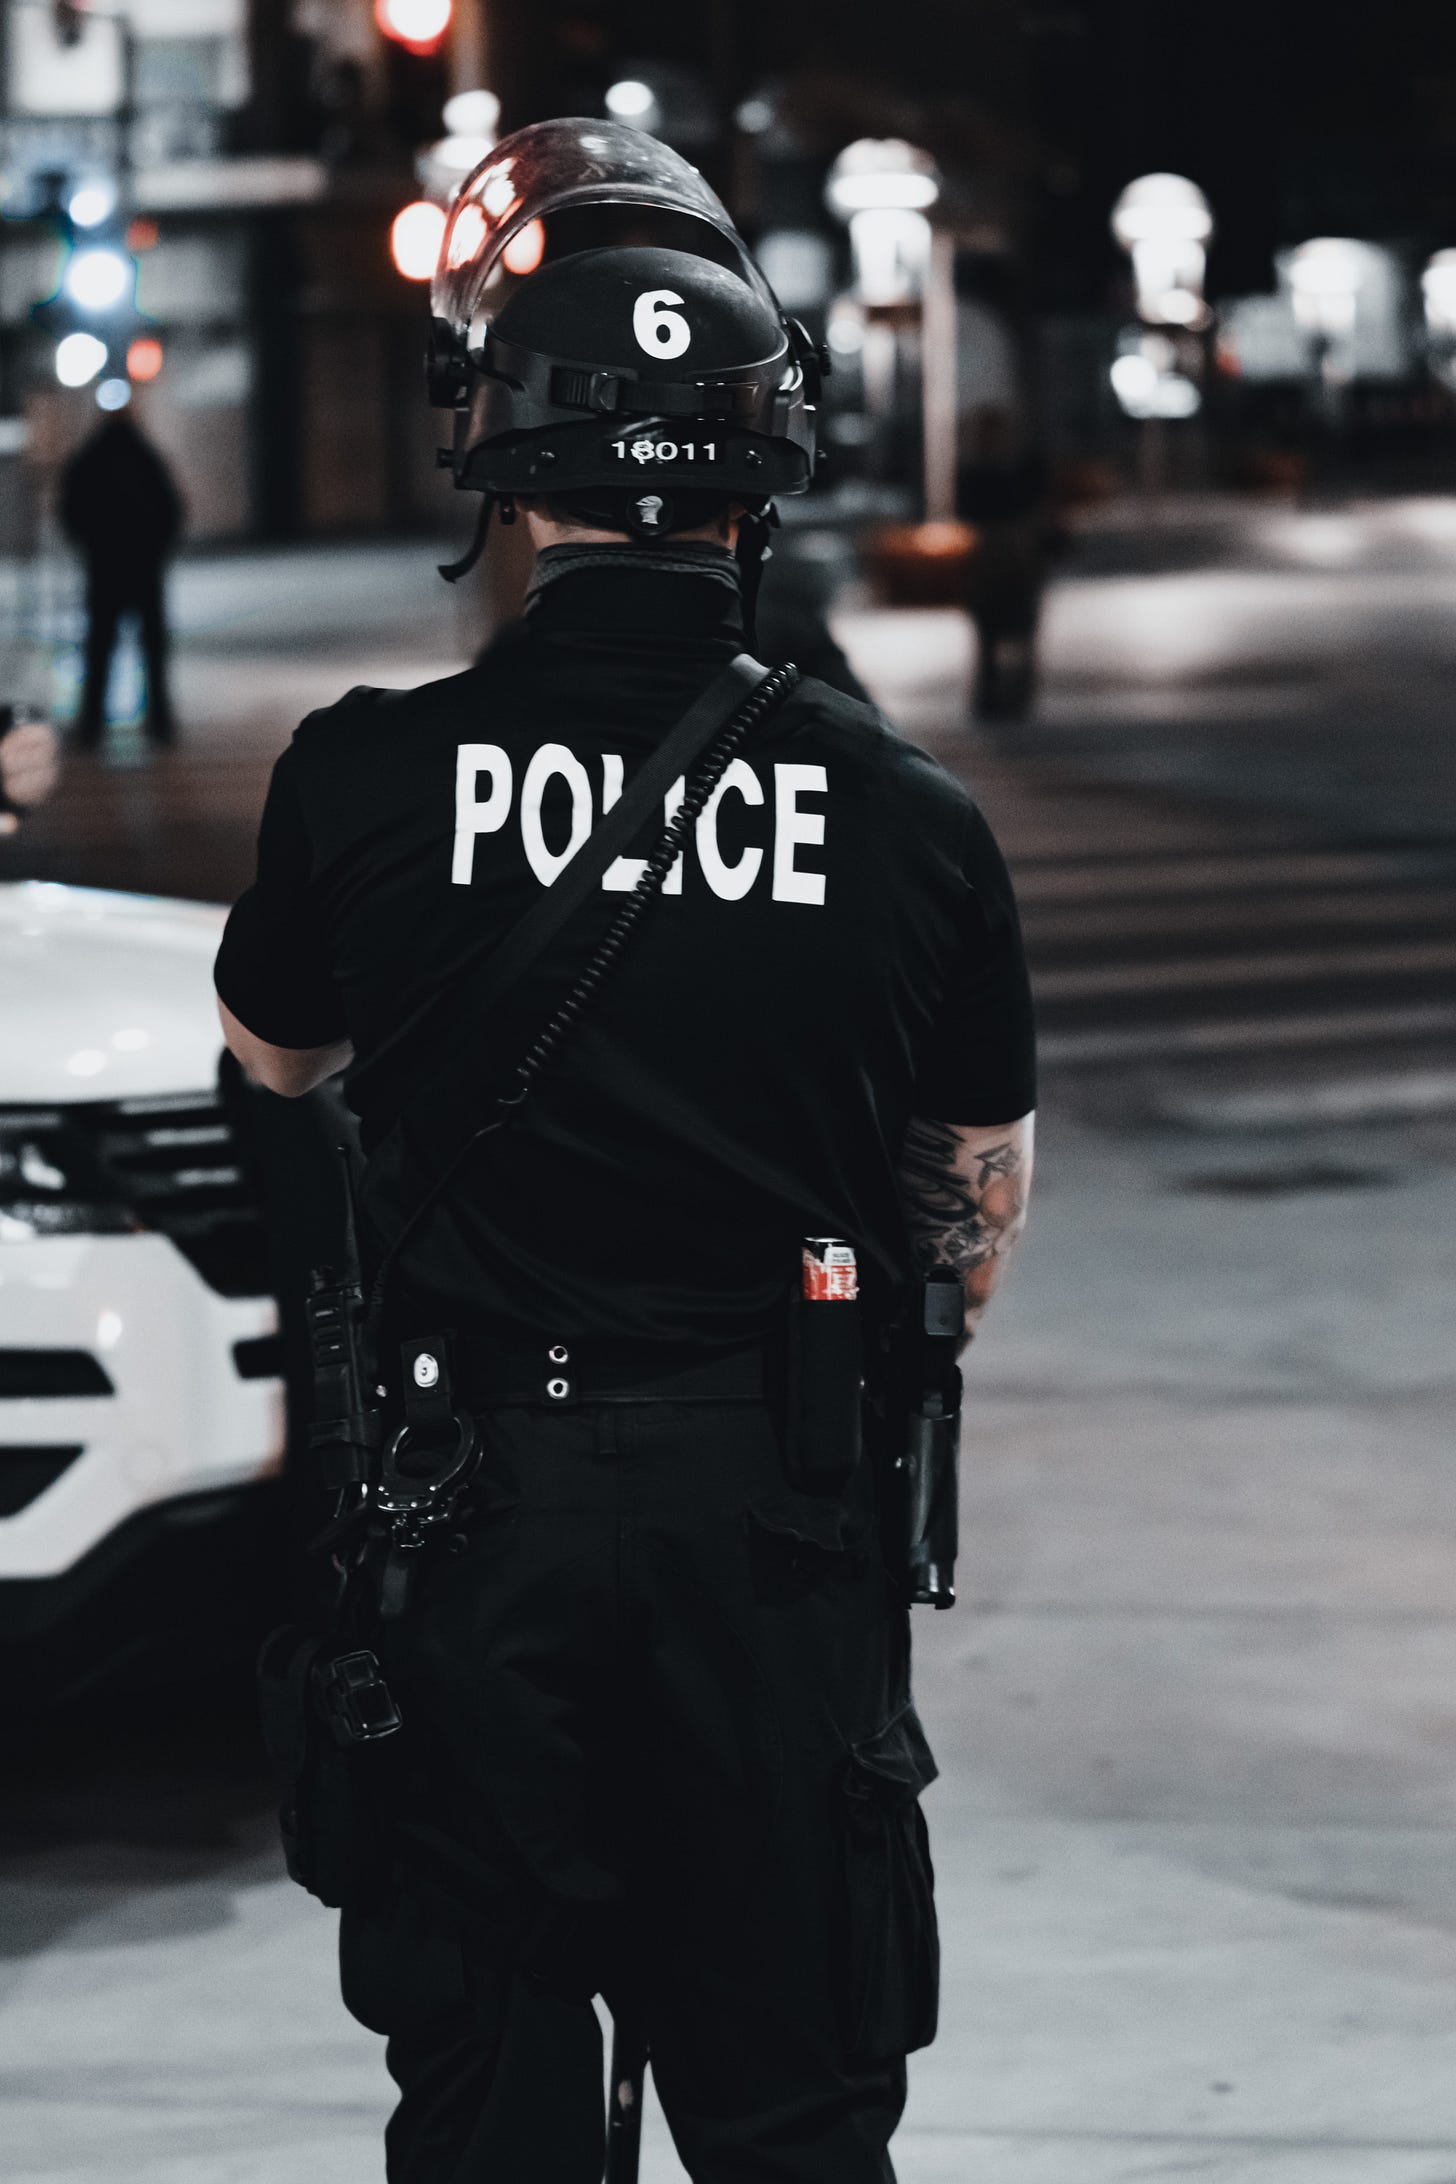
x,y
1193,1712
1163,318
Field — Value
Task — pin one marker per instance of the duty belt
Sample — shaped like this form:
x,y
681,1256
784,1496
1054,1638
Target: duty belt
x,y
558,1375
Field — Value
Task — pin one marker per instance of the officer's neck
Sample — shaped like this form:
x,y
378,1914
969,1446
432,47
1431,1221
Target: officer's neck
x,y
685,591
546,531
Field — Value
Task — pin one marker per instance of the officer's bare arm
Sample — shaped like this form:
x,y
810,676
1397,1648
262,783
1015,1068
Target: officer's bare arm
x,y
965,1188
292,1071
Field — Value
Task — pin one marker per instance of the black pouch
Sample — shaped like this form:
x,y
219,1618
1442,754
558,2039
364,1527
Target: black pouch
x,y
891,1988
824,1424
335,1839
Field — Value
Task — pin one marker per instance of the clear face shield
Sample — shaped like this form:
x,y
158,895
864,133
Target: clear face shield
x,y
556,188
523,417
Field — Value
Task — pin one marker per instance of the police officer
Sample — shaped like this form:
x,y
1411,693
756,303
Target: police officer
x,y
658,1739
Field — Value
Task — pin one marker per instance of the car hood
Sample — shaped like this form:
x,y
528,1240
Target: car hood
x,y
104,996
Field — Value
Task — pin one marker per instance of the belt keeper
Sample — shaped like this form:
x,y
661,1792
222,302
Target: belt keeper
x,y
426,1381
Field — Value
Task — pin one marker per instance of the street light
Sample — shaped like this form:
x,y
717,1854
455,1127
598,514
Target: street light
x,y
97,279
1164,224
883,189
631,100
79,357
93,313
472,113
419,25
1326,276
882,174
1438,293
1148,381
91,204
471,119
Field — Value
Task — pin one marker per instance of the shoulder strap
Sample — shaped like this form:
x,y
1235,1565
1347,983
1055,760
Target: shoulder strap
x,y
447,1116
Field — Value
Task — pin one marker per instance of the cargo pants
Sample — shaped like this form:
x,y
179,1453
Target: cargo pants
x,y
658,1745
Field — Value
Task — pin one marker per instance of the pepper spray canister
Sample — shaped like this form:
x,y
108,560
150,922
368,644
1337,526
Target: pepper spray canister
x,y
826,1367
831,1271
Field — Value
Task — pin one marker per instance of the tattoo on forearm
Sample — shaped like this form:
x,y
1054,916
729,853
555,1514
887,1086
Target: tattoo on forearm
x,y
965,1197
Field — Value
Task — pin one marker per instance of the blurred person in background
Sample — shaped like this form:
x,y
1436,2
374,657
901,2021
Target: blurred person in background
x,y
1001,491
120,507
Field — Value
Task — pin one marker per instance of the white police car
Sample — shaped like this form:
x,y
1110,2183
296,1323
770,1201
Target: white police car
x,y
142,1411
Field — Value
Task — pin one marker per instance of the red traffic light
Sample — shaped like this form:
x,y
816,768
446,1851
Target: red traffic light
x,y
417,24
144,358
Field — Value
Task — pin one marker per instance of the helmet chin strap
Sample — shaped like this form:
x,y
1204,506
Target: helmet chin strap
x,y
452,571
752,551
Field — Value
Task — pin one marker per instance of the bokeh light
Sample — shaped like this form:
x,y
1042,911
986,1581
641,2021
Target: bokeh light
x,y
472,113
415,239
92,203
629,100
98,279
144,358
418,24
79,357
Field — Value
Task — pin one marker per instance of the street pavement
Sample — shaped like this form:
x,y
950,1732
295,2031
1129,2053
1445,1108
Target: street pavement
x,y
1195,1713
1233,819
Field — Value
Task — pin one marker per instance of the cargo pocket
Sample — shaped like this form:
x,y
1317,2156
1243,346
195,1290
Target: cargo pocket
x,y
330,1816
401,1966
892,1983
799,1546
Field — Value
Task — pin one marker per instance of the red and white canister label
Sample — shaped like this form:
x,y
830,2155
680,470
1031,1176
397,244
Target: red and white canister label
x,y
831,1274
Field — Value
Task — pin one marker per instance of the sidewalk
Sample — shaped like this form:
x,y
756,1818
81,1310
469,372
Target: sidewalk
x,y
1194,1715
1196,1824
1196,1711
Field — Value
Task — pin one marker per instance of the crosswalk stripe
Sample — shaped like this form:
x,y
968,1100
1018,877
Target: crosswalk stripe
x,y
1202,915
1362,1096
1100,980
1096,879
1233,1035
1071,836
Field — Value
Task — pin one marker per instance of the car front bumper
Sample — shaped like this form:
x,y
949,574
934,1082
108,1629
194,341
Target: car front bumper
x,y
185,1405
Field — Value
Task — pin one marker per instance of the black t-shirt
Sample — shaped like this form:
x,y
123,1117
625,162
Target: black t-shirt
x,y
836,951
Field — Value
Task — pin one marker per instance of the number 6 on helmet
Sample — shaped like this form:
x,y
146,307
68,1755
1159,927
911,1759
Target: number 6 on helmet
x,y
659,331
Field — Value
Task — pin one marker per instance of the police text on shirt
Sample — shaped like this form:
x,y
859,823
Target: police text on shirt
x,y
485,793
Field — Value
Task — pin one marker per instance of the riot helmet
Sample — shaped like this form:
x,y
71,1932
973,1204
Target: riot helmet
x,y
604,338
